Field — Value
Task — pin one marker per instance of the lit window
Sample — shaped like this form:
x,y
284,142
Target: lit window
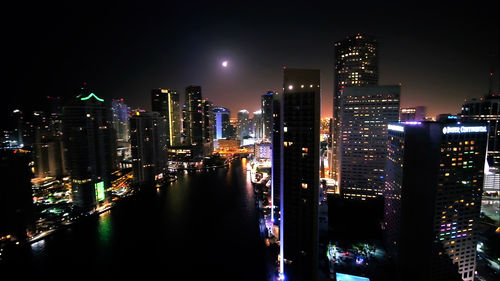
x,y
304,185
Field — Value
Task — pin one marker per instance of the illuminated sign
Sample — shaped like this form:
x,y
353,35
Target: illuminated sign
x,y
465,129
395,128
92,95
99,191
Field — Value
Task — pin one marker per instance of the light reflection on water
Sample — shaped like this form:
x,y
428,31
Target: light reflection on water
x,y
104,227
210,213
38,247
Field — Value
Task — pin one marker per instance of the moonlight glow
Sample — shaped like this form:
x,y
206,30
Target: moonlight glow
x,y
224,63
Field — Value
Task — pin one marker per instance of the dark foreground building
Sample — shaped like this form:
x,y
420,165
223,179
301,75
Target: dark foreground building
x,y
434,178
16,201
299,173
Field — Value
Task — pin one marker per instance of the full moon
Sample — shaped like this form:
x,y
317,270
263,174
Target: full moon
x,y
224,63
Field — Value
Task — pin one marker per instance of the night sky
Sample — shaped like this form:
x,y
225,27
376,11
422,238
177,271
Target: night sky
x,y
441,54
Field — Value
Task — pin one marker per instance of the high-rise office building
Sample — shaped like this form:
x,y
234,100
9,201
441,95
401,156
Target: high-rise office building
x,y
432,195
364,115
266,107
166,102
487,109
193,120
356,65
299,174
88,136
416,113
243,129
148,140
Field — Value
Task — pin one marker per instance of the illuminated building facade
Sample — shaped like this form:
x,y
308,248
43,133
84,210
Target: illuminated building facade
x,y
48,149
258,125
299,174
412,113
193,120
208,128
148,140
166,102
364,114
432,195
222,116
356,65
121,113
243,128
88,136
487,109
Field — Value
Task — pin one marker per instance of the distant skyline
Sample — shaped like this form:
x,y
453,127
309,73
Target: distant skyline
x,y
440,54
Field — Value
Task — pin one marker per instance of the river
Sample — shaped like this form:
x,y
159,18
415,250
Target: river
x,y
204,226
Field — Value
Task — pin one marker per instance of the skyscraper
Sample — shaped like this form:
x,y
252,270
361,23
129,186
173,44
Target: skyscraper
x,y
364,115
267,114
299,173
243,126
166,102
487,109
432,194
356,65
222,116
148,140
276,156
258,125
193,120
208,128
121,112
88,137
48,148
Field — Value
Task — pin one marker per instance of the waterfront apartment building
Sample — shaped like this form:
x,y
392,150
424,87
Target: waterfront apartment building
x,y
364,115
148,140
166,102
432,193
88,136
193,120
